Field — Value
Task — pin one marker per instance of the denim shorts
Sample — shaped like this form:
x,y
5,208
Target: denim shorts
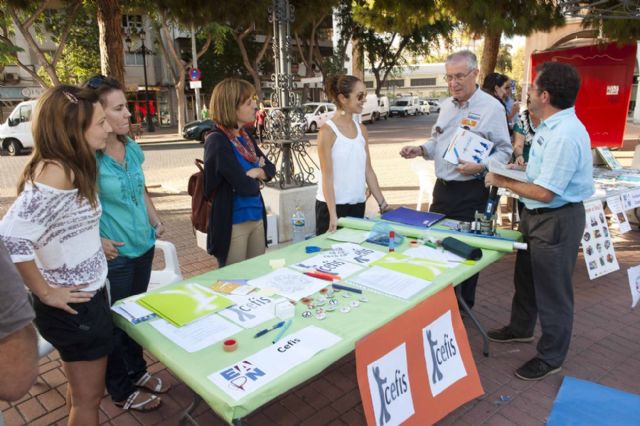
x,y
86,336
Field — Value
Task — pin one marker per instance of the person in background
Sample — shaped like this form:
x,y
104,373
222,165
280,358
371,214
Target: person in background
x,y
345,162
523,132
560,178
129,226
234,171
459,191
261,115
52,234
204,112
18,340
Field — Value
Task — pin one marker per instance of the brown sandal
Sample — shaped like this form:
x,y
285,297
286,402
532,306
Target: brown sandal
x,y
142,406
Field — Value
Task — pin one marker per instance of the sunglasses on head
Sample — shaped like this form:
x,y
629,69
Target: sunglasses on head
x,y
95,82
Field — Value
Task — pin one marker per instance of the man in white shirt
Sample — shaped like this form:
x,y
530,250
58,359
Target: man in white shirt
x,y
459,190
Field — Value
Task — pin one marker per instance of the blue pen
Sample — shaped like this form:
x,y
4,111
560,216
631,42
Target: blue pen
x,y
282,331
455,151
266,330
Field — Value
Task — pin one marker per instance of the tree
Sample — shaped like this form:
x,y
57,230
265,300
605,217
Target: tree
x,y
109,18
491,19
28,18
389,30
618,19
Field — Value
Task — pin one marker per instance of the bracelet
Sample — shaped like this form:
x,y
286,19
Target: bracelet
x,y
383,204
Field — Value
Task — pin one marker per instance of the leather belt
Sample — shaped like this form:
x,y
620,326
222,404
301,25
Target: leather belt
x,y
544,210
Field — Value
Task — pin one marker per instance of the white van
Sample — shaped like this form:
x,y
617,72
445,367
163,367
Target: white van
x,y
15,133
374,108
406,105
317,113
383,107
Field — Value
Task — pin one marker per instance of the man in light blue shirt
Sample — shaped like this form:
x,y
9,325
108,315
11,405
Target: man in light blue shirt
x,y
559,178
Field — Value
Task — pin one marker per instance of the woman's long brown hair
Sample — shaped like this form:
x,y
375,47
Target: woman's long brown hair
x,y
62,116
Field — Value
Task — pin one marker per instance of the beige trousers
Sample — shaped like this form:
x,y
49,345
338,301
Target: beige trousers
x,y
247,241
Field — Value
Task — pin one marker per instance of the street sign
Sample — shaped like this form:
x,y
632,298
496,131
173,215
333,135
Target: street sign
x,y
194,74
195,84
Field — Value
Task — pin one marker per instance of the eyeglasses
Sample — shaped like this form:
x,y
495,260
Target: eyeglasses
x,y
361,96
95,82
457,77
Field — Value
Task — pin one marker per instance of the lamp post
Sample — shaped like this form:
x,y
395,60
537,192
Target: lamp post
x,y
143,50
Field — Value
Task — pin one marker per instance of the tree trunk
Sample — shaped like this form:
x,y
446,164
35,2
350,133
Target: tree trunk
x,y
489,54
357,58
182,101
250,65
111,47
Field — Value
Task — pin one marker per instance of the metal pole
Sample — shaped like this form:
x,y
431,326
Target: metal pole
x,y
194,61
150,126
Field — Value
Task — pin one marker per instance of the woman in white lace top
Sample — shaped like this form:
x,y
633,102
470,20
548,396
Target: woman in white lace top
x,y
52,234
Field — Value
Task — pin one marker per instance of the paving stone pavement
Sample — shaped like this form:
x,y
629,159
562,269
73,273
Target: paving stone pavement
x,y
605,346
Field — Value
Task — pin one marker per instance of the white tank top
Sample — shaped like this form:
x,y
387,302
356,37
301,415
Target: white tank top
x,y
349,159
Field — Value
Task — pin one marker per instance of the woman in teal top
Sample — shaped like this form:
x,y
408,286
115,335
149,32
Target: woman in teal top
x,y
128,227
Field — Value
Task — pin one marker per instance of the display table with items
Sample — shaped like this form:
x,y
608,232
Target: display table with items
x,y
244,334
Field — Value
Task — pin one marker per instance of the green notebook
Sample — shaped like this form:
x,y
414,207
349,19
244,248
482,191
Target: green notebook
x,y
420,268
184,303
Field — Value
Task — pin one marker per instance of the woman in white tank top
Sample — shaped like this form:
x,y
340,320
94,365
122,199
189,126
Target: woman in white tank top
x,y
345,163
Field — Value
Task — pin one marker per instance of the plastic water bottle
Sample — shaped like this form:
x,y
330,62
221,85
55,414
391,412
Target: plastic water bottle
x,y
297,223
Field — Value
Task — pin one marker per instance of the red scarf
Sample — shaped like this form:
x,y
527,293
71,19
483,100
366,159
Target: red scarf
x,y
248,151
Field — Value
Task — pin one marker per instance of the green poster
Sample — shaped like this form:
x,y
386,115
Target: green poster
x,y
425,269
184,303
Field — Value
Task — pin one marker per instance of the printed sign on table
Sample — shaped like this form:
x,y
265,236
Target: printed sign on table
x,y
597,246
631,199
619,214
247,375
417,368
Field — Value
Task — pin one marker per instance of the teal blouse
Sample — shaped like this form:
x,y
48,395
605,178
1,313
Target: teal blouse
x,y
124,211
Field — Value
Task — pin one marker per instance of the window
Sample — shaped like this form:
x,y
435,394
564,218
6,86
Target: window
x,y
132,22
321,110
395,83
423,81
132,58
21,115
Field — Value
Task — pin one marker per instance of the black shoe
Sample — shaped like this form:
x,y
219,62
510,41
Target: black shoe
x,y
505,334
536,369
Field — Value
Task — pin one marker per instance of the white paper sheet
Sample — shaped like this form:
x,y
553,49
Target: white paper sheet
x,y
390,282
355,254
327,262
425,252
466,145
291,284
246,376
250,311
634,284
502,169
133,312
631,199
597,246
619,214
199,334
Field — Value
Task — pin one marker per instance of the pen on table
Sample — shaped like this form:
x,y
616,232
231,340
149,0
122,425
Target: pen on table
x,y
344,287
282,331
322,275
266,330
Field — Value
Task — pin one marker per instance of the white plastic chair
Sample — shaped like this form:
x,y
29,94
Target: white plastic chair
x,y
424,181
171,272
44,347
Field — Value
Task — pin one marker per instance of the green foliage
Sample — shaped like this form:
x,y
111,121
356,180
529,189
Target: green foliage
x,y
80,57
504,62
616,19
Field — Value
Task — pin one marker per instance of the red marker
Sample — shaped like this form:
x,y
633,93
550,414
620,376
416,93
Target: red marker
x,y
322,276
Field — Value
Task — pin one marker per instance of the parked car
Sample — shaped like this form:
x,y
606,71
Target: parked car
x,y
197,130
15,133
406,105
424,108
370,110
434,106
317,113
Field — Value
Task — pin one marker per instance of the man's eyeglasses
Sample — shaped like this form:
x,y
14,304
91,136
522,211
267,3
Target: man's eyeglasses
x,y
95,82
456,77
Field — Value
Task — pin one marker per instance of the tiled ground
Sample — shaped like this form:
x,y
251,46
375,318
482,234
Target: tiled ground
x,y
605,349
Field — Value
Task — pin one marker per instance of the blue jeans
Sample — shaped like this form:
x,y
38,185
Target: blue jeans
x,y
126,364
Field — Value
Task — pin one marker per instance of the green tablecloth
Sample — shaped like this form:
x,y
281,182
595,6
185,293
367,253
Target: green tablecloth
x,y
193,368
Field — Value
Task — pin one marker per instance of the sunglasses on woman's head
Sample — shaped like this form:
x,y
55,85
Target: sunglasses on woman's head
x,y
95,82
